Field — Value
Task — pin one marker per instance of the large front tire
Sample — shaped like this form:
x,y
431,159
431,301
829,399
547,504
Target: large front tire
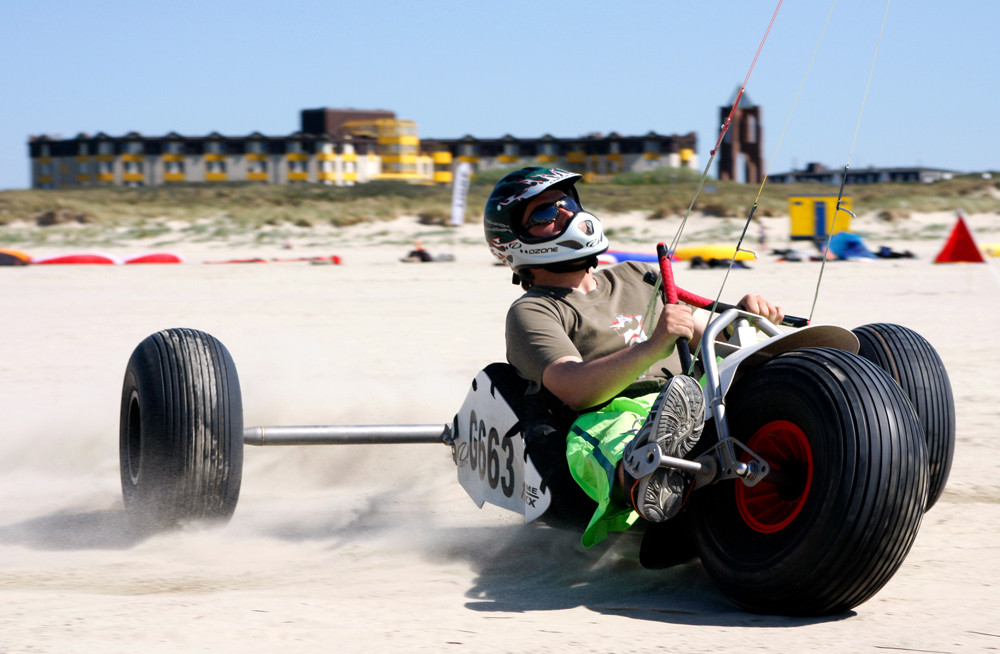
x,y
914,364
181,430
841,509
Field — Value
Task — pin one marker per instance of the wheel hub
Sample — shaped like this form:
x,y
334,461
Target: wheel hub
x,y
774,502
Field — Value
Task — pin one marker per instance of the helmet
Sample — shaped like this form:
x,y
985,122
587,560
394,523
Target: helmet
x,y
581,240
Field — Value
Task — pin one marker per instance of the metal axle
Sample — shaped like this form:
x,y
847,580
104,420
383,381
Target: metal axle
x,y
347,435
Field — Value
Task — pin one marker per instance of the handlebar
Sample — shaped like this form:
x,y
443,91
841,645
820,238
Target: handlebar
x,y
670,296
687,297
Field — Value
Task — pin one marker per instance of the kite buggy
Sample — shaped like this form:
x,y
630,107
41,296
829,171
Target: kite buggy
x,y
823,449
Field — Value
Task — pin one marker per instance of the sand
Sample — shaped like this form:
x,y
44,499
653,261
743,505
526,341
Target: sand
x,y
377,548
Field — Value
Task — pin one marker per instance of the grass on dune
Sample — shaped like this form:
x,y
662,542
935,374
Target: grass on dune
x,y
272,212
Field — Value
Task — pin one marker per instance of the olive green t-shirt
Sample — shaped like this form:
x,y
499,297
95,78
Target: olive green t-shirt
x,y
547,323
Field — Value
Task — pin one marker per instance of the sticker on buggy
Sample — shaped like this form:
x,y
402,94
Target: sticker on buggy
x,y
489,453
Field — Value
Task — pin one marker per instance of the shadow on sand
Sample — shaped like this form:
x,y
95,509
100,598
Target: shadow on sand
x,y
66,530
541,569
518,568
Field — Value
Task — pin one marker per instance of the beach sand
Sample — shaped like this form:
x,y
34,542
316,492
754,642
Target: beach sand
x,y
377,548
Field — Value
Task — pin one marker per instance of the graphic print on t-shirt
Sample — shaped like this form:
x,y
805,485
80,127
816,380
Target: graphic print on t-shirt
x,y
629,328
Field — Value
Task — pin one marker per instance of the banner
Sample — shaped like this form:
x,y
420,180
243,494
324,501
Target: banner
x,y
460,188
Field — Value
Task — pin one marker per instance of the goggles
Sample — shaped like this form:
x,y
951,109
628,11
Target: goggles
x,y
547,213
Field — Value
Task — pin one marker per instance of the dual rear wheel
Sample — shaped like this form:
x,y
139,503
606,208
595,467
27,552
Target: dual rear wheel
x,y
915,366
834,520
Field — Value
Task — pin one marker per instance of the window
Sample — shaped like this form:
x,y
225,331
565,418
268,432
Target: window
x,y
256,166
175,167
215,167
296,166
82,150
215,147
175,147
255,147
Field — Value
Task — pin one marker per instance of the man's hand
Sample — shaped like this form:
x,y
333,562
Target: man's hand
x,y
760,306
676,321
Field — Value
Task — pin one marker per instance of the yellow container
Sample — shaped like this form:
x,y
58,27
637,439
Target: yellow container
x,y
815,217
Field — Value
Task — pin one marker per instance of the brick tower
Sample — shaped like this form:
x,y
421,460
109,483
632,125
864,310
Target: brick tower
x,y
745,137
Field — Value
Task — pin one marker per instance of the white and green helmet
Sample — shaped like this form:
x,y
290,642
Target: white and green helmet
x,y
582,239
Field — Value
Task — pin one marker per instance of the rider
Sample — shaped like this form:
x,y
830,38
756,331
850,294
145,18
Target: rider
x,y
585,337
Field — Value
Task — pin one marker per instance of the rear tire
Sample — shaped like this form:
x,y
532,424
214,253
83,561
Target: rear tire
x,y
181,430
841,510
914,364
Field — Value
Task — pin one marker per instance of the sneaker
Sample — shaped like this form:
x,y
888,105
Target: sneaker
x,y
660,495
674,423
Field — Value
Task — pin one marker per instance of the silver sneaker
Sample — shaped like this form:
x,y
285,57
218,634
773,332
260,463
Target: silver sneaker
x,y
660,495
675,423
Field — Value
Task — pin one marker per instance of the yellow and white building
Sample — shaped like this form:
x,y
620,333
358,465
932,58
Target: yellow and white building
x,y
335,146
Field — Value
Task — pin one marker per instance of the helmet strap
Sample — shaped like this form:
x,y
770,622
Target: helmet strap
x,y
525,278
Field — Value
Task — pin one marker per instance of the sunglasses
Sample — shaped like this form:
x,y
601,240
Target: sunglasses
x,y
547,213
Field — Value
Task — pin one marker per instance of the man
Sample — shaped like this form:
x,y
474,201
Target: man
x,y
586,337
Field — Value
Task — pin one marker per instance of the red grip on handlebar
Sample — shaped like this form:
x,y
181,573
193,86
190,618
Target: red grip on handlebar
x,y
670,297
695,300
667,274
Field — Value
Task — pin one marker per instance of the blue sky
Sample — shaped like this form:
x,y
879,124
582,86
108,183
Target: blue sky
x,y
523,68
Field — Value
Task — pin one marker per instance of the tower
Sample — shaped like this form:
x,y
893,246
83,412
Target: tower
x,y
745,137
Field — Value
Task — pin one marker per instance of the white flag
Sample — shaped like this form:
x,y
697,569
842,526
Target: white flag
x,y
459,189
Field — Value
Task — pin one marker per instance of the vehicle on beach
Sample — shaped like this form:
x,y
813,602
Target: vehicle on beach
x,y
824,447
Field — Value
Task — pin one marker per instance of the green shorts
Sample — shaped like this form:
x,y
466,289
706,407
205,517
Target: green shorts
x,y
594,446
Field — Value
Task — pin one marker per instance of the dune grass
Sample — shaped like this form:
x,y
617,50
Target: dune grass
x,y
270,212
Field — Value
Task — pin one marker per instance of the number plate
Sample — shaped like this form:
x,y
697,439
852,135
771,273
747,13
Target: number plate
x,y
492,468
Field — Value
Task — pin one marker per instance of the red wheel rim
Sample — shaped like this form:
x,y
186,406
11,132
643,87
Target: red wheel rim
x,y
775,501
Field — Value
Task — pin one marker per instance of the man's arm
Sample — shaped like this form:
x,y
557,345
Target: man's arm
x,y
583,384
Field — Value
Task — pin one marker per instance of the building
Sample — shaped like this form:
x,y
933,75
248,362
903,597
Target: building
x,y
593,155
819,174
137,160
334,146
